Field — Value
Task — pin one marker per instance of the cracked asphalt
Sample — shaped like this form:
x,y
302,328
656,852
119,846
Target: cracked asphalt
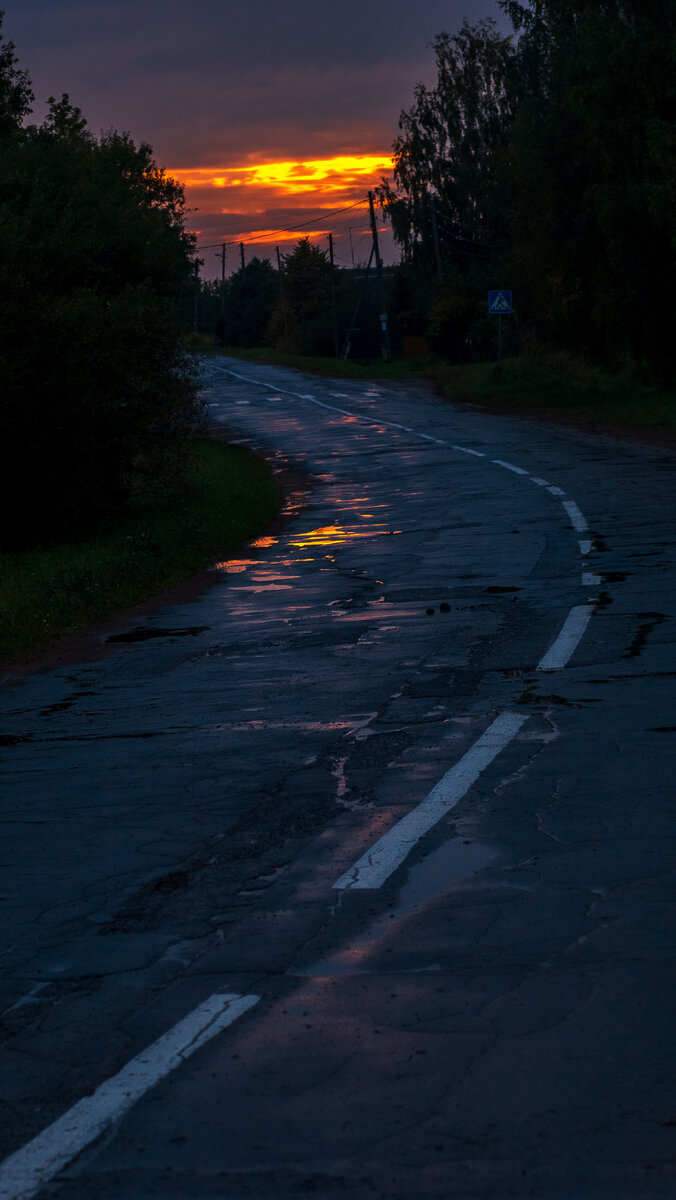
x,y
497,1020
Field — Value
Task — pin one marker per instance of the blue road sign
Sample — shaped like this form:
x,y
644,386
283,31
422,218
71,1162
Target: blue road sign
x,y
499,303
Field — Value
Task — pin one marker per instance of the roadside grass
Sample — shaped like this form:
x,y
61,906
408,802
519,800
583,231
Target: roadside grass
x,y
558,385
230,498
551,385
337,368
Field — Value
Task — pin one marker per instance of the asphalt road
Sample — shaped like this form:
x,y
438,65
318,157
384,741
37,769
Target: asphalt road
x,y
354,877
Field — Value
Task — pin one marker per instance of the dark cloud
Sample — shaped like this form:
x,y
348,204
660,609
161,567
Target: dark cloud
x,y
211,80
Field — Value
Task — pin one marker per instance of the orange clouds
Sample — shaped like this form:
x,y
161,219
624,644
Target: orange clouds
x,y
255,201
338,176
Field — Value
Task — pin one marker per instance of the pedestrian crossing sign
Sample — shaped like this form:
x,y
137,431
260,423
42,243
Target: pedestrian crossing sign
x,y
499,303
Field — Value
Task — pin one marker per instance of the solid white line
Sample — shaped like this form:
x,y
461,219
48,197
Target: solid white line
x,y
509,466
374,867
571,633
26,1172
577,520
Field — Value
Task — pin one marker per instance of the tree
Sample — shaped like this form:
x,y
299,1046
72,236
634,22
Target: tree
x,y
593,173
251,296
302,320
98,397
445,155
16,95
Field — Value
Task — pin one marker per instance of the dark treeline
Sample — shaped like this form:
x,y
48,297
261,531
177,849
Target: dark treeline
x,y
97,396
309,307
545,162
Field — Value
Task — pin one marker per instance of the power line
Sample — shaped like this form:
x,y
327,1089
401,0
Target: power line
x,y
289,229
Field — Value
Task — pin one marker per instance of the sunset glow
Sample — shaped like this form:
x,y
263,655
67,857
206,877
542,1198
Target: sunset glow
x,y
323,176
273,203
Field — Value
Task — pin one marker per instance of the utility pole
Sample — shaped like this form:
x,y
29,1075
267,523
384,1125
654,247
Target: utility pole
x,y
221,318
241,250
281,294
348,340
351,246
386,350
333,299
195,316
435,236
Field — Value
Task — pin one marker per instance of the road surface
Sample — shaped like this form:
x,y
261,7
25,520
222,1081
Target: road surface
x,y
354,877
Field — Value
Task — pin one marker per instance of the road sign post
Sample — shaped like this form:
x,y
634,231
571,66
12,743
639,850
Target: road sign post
x,y
499,305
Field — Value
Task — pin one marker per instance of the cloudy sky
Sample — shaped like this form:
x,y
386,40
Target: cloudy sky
x,y
272,112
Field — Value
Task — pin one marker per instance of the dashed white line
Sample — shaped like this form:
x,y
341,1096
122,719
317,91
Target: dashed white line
x,y
589,579
555,491
29,1169
586,546
577,520
568,639
509,466
374,867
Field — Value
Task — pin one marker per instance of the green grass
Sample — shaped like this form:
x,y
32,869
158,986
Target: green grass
x,y
558,385
230,499
552,385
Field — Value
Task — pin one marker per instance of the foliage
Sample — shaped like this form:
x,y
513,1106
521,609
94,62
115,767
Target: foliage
x,y
16,94
302,319
97,396
251,297
593,172
546,162
445,154
230,496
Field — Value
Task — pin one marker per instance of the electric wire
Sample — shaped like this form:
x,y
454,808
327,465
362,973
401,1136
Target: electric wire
x,y
289,229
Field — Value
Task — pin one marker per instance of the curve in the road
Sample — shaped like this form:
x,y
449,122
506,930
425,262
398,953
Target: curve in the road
x,y
388,853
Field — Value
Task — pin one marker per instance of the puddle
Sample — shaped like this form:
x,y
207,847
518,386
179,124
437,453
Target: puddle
x,y
449,864
144,633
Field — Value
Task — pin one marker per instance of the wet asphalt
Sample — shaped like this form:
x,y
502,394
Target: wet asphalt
x,y
496,1020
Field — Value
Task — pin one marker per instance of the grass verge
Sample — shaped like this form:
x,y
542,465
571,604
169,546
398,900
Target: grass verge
x,y
230,499
560,386
553,386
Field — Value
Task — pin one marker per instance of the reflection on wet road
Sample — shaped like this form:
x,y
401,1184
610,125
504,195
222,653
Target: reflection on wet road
x,y
488,1021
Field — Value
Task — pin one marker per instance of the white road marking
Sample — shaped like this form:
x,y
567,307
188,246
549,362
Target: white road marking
x,y
29,1169
591,580
374,867
577,520
509,466
566,643
585,546
576,622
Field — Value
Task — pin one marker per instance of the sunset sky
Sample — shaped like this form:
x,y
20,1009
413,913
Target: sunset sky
x,y
274,113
